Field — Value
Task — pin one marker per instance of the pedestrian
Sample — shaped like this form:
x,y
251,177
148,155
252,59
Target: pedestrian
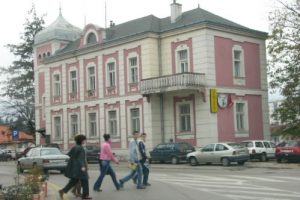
x,y
76,169
135,159
105,157
144,161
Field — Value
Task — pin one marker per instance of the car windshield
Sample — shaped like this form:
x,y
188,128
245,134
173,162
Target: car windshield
x,y
292,144
45,152
235,145
247,144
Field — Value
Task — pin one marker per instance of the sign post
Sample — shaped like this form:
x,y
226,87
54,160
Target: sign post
x,y
15,135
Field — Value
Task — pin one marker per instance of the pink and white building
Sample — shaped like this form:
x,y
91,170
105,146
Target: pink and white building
x,y
155,76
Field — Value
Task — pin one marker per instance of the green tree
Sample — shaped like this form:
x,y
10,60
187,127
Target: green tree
x,y
284,63
19,83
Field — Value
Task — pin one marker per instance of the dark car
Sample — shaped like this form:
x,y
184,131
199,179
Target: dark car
x,y
4,156
92,153
288,150
171,152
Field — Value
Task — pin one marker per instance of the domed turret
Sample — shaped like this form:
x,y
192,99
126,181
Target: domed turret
x,y
60,29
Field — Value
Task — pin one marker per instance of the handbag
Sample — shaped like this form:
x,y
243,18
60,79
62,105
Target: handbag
x,y
132,166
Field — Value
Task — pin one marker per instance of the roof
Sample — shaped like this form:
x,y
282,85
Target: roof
x,y
5,135
60,29
152,24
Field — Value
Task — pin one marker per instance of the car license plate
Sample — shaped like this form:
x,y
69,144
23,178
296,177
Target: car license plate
x,y
56,161
286,151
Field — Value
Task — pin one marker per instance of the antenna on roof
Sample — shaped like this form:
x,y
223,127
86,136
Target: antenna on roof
x,y
105,14
198,5
60,8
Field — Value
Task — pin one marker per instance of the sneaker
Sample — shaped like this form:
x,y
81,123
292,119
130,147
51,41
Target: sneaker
x,y
97,190
121,184
140,187
147,184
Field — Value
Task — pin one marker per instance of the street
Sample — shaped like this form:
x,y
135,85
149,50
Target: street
x,y
190,183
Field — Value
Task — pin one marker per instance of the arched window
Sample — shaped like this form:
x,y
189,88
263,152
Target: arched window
x,y
48,53
91,38
40,56
44,55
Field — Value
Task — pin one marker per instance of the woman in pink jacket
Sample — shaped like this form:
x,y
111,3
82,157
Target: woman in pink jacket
x,y
105,157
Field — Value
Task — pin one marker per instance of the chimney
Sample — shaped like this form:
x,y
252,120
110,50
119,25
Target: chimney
x,y
175,11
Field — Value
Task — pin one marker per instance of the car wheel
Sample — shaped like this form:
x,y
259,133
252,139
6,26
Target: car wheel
x,y
241,162
174,160
278,160
225,162
193,161
263,157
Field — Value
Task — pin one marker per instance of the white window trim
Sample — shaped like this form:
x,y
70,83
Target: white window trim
x,y
70,81
54,84
70,123
88,125
129,118
244,133
178,66
107,72
87,34
54,130
118,122
178,116
133,55
238,80
88,77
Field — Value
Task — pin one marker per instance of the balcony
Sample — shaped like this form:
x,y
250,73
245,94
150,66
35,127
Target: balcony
x,y
173,82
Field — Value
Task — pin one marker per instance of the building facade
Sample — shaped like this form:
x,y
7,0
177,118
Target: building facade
x,y
193,77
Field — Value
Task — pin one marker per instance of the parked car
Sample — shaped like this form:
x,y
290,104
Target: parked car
x,y
224,153
288,150
92,153
3,155
260,149
23,153
171,152
11,153
47,158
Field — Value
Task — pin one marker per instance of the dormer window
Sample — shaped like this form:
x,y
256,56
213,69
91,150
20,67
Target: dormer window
x,y
91,38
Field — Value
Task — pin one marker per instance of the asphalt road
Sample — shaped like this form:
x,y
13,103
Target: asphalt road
x,y
264,181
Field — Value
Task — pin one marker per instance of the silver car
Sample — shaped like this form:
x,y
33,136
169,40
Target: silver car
x,y
223,153
47,158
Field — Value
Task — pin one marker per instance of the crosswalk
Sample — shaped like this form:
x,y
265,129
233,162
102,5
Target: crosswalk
x,y
235,187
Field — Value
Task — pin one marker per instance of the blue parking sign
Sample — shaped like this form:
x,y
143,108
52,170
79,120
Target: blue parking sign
x,y
15,134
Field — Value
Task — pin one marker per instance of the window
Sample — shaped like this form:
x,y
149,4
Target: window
x,y
183,61
208,148
185,117
92,124
56,81
73,85
240,116
48,53
133,67
112,120
73,125
91,38
135,119
221,147
237,63
91,79
111,74
57,127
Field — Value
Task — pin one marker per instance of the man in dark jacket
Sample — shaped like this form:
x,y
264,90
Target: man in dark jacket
x,y
76,169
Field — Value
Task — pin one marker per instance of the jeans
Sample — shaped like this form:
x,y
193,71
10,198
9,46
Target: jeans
x,y
106,169
145,175
132,174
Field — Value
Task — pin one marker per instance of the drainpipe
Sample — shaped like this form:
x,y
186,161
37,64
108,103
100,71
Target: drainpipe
x,y
161,95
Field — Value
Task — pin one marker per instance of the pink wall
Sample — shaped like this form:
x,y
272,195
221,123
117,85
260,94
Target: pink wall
x,y
226,120
42,50
224,66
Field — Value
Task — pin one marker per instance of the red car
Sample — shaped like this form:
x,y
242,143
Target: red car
x,y
288,150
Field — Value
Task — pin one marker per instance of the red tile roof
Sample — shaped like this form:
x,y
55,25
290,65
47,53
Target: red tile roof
x,y
6,137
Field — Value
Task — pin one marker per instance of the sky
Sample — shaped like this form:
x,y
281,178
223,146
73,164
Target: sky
x,y
250,13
